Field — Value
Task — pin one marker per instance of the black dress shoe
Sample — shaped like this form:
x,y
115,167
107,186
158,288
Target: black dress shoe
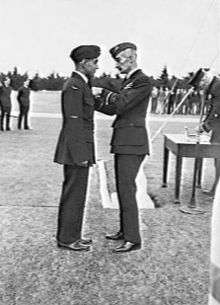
x,y
126,247
85,241
75,246
117,236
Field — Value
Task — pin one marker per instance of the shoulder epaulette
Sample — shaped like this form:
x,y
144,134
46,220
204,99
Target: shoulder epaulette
x,y
73,83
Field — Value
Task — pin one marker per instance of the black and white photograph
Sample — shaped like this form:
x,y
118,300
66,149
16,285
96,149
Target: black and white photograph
x,y
110,152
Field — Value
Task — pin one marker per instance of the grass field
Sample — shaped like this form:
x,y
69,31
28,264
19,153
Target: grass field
x,y
172,268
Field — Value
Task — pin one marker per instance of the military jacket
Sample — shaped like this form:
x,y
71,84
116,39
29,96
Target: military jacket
x,y
5,96
212,120
130,104
76,140
23,96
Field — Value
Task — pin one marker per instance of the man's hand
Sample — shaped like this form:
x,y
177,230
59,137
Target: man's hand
x,y
204,127
97,91
200,128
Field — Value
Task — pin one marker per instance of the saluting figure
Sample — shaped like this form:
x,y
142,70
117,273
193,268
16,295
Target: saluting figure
x,y
5,102
75,148
129,142
23,98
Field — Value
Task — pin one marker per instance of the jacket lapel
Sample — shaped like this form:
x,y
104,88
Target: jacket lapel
x,y
131,78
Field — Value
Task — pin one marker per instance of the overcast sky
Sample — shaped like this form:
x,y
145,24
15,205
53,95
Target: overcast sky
x,y
38,35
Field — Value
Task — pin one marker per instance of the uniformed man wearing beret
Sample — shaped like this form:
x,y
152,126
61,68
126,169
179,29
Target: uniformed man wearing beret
x,y
5,103
23,98
129,142
75,147
212,121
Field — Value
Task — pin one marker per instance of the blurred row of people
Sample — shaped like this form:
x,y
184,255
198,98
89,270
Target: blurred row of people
x,y
164,101
23,98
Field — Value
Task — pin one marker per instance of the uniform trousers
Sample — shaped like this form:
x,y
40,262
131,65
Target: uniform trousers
x,y
5,112
72,203
23,115
126,169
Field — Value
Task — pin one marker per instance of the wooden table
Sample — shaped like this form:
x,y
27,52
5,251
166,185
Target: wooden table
x,y
182,146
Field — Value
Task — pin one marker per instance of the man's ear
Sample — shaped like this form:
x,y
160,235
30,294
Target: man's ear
x,y
134,56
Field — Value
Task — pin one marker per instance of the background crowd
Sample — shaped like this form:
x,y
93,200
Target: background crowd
x,y
167,93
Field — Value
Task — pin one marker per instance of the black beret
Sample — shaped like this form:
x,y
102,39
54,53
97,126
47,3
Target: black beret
x,y
121,47
85,52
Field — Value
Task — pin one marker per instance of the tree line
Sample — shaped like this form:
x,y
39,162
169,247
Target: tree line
x,y
51,82
55,82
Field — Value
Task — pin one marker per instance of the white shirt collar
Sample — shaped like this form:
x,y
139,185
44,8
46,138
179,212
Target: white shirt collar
x,y
131,72
82,75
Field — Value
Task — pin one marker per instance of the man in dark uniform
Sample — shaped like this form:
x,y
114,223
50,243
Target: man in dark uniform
x,y
5,102
212,123
129,142
75,148
171,101
23,98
